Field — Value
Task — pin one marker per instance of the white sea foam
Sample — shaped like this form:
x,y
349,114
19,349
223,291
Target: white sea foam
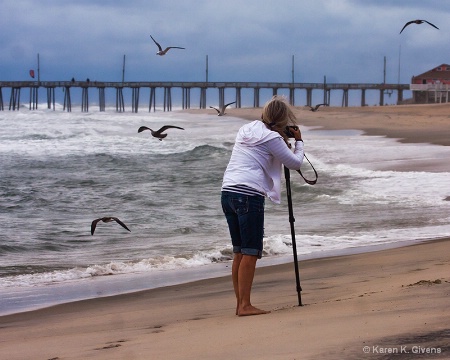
x,y
275,245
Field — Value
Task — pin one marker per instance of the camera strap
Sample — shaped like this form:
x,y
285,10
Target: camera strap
x,y
310,182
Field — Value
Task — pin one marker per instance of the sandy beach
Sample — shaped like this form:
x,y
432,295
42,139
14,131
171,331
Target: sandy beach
x,y
408,123
389,303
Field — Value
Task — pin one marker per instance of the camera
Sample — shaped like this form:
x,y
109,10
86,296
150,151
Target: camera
x,y
287,131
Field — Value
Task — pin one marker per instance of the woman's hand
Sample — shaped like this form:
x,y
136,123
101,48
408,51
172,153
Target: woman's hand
x,y
297,133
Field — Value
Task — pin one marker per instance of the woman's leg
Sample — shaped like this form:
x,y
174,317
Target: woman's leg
x,y
246,273
234,274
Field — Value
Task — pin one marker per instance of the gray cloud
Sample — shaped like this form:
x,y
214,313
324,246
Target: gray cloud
x,y
250,40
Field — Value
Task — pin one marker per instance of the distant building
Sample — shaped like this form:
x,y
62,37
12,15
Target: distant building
x,y
432,86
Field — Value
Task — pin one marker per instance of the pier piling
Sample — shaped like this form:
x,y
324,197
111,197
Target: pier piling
x,y
186,98
221,97
84,99
152,101
363,97
238,97
50,98
291,96
120,105
256,97
203,98
309,96
167,98
67,101
381,97
33,98
345,98
14,100
101,99
135,99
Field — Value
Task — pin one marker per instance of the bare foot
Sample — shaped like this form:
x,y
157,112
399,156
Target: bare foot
x,y
251,310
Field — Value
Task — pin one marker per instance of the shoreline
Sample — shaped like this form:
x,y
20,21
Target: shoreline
x,y
106,286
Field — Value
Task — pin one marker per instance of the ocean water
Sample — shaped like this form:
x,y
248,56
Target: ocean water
x,y
59,171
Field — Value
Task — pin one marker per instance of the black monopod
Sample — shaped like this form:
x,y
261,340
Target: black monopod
x,y
287,175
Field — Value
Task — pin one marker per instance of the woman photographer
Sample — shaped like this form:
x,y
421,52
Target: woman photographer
x,y
254,172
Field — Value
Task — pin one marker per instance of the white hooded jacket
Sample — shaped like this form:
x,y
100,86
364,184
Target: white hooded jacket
x,y
257,159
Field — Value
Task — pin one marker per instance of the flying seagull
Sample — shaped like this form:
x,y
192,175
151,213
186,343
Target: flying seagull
x,y
222,110
418,22
162,52
107,219
159,133
315,108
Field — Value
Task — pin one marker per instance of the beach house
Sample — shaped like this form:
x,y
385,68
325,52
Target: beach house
x,y
432,86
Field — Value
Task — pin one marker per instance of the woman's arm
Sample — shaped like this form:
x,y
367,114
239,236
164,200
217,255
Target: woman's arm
x,y
279,149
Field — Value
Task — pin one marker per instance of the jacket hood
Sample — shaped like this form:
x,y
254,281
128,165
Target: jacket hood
x,y
255,133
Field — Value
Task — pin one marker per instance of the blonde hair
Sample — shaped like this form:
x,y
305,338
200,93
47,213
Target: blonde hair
x,y
277,114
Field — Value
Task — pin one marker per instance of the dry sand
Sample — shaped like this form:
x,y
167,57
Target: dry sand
x,y
391,300
408,123
361,306
418,124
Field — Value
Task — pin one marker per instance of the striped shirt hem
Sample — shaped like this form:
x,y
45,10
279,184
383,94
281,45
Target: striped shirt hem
x,y
242,189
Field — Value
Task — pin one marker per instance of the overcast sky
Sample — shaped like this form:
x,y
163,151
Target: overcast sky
x,y
245,40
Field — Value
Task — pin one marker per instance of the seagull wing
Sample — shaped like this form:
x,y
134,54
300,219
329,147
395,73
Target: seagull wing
x,y
93,225
121,223
431,24
159,46
229,104
212,107
142,128
173,47
165,127
408,23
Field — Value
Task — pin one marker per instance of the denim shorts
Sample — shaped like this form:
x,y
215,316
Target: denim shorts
x,y
245,218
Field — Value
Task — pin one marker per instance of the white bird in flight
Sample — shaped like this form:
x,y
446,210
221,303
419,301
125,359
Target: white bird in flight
x,y
159,133
418,22
107,219
162,52
315,108
221,111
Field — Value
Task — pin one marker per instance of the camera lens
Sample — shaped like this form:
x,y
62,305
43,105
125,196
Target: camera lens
x,y
287,131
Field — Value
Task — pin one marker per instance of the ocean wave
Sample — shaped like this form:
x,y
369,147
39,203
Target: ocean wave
x,y
205,151
115,268
10,249
189,151
273,246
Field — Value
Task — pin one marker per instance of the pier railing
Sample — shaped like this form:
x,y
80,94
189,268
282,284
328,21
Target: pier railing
x,y
167,86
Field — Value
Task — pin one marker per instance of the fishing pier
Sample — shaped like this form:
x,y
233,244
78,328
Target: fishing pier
x,y
87,87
